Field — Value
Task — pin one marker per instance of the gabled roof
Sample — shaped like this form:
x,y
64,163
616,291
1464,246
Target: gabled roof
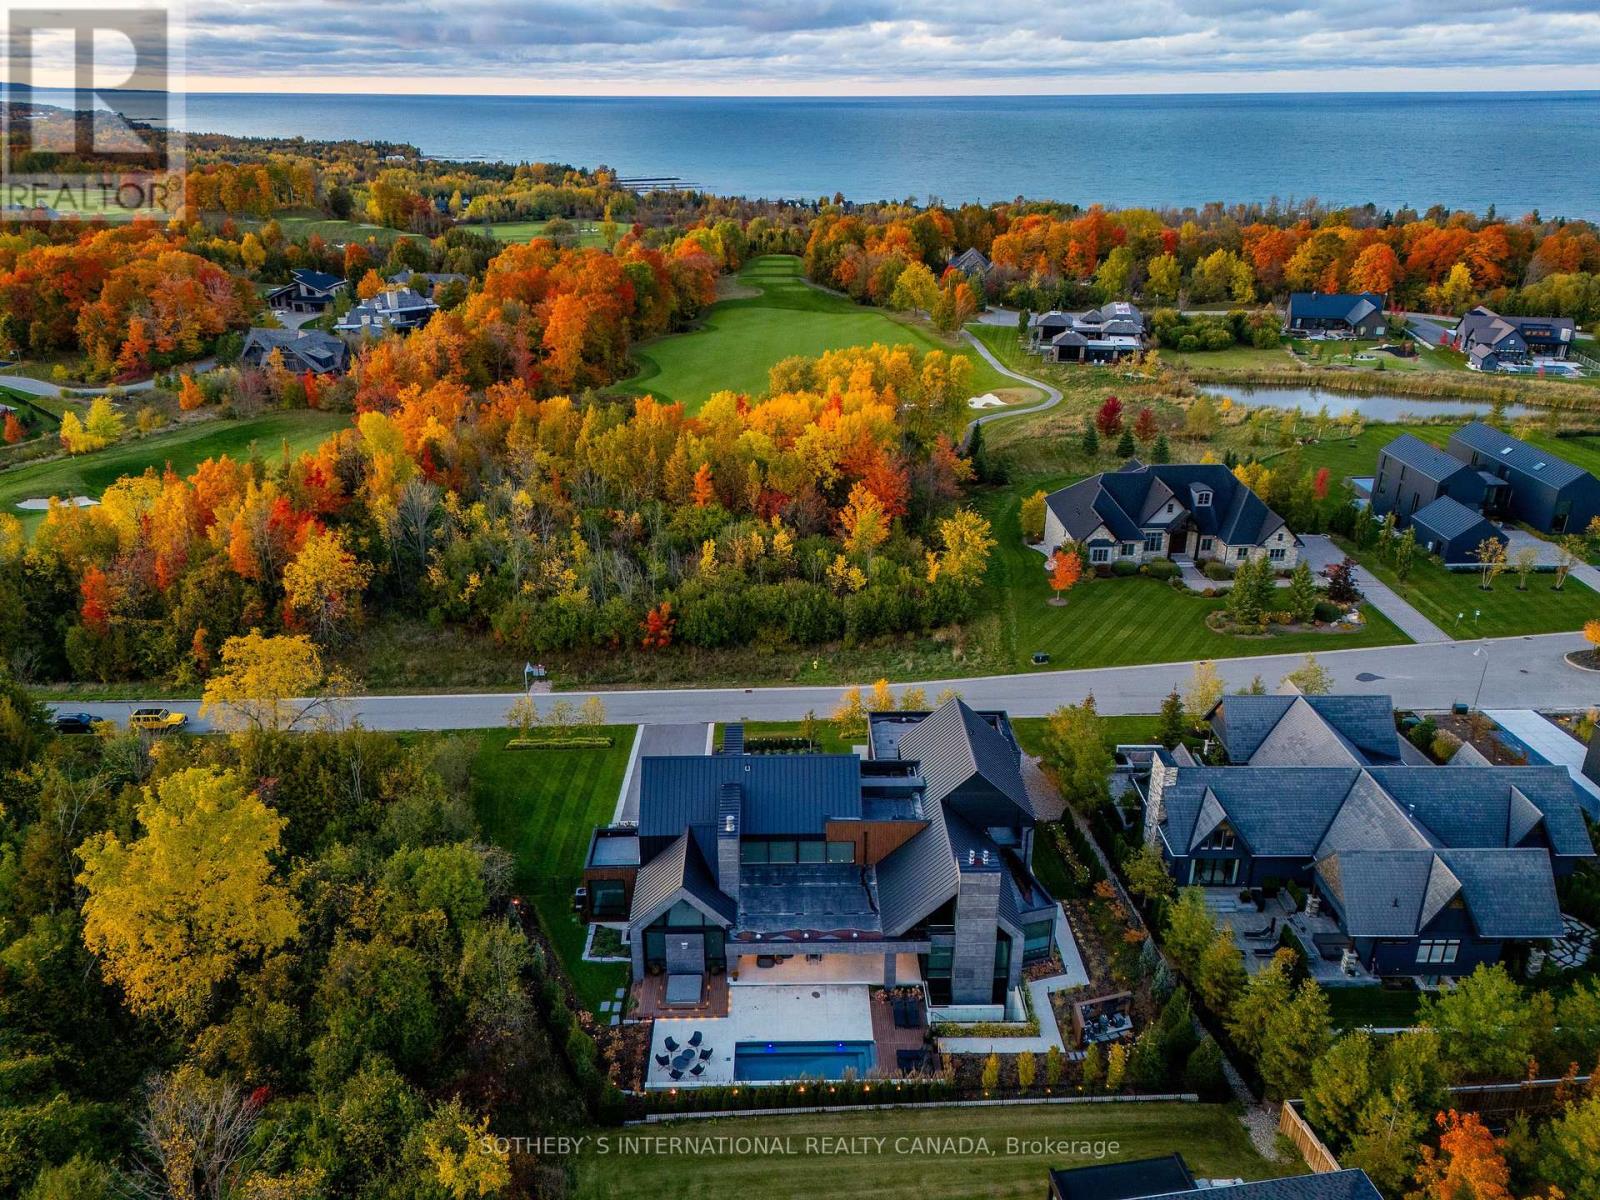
x,y
1351,1184
971,260
678,873
1516,455
1125,501
955,745
783,794
1508,893
1364,723
1427,459
1351,308
319,281
1124,1180
315,350
919,877
1451,519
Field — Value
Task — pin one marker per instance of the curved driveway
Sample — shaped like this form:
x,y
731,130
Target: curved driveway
x,y
1052,394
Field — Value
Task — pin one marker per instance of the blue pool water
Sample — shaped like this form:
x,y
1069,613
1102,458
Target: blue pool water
x,y
767,1062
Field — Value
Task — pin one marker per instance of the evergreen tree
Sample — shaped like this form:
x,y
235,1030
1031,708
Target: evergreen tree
x,y
1203,1073
1302,594
1091,441
1125,446
1172,726
1161,452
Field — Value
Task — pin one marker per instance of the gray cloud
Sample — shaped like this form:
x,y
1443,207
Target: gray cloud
x,y
675,44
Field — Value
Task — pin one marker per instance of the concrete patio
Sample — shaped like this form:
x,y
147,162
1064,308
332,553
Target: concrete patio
x,y
1243,919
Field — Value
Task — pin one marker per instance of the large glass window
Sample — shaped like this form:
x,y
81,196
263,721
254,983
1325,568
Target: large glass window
x,y
1036,940
1215,872
1439,952
780,852
684,915
1152,541
812,852
753,852
607,898
841,852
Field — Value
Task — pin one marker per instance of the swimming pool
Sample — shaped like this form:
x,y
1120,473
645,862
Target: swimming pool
x,y
768,1062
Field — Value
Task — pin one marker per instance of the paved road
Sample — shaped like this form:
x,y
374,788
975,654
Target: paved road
x,y
1524,672
1320,552
51,391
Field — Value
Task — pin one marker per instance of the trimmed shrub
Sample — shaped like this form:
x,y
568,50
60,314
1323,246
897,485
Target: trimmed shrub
x,y
1162,568
1124,567
1218,571
1327,612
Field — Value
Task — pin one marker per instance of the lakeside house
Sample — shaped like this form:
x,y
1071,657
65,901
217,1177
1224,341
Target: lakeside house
x,y
396,310
1341,314
425,281
1100,335
1533,485
1414,869
300,350
1178,510
1492,342
972,261
1169,1176
910,864
307,291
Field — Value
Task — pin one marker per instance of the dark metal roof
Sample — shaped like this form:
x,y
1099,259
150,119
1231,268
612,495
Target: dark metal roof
x,y
1449,519
919,877
317,280
783,793
1431,461
1528,461
1340,306
678,872
955,745
1352,1184
1124,1180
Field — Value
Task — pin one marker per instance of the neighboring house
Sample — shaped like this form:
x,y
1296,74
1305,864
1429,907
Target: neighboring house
x,y
1298,730
740,861
306,291
1141,512
1427,870
972,261
1413,474
1453,531
1168,1176
1348,315
424,281
1100,335
301,350
1539,489
398,309
1492,342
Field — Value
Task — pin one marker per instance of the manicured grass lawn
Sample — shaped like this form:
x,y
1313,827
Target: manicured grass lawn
x,y
1011,1163
184,447
827,735
525,231
542,806
1383,1008
741,339
1117,622
304,224
1233,358
1441,595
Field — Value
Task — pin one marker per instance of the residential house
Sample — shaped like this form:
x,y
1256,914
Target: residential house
x,y
1427,870
1413,474
424,281
1197,510
1492,342
1169,1176
307,291
397,309
972,261
300,350
742,862
1453,531
1342,314
1100,335
1539,489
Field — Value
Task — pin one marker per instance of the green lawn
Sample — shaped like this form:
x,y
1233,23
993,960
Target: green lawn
x,y
525,231
1442,596
542,806
1118,622
742,338
1383,1008
302,225
184,447
1011,1162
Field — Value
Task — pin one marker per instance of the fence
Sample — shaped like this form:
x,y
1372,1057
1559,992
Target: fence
x,y
1019,1101
1293,1126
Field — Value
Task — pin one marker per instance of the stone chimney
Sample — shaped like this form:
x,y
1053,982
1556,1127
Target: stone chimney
x,y
1155,812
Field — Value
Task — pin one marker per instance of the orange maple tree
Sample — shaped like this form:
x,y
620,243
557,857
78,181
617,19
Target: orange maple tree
x,y
657,627
1065,571
705,493
14,430
1468,1164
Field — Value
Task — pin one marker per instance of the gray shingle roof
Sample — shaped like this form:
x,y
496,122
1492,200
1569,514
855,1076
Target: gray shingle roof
x,y
1398,893
1243,723
1450,519
1127,500
1517,455
1341,306
783,793
1352,1184
955,745
1430,460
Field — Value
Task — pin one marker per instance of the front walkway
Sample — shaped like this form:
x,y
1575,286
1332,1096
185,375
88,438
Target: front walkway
x,y
1072,975
1550,743
1320,552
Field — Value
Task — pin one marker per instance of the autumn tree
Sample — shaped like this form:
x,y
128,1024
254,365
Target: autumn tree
x,y
272,684
850,714
1065,568
1031,516
967,542
657,626
864,523
192,899
1144,425
1490,555
323,583
705,492
1108,417
1201,696
881,698
1468,1164
14,432
1310,678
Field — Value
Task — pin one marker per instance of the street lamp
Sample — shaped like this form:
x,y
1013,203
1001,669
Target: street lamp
x,y
1482,650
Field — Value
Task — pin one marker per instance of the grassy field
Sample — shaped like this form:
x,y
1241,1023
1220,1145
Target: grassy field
x,y
303,225
1442,596
542,805
525,231
1118,622
1011,1162
184,448
1376,1006
741,339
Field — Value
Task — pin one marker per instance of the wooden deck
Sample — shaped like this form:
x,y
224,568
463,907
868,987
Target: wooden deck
x,y
888,1040
650,996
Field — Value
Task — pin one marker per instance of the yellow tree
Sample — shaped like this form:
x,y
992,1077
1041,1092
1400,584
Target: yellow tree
x,y
1203,692
193,899
371,284
882,698
1032,517
865,524
967,543
850,717
270,683
323,584
104,423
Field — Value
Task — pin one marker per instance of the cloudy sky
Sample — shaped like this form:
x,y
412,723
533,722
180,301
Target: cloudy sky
x,y
897,47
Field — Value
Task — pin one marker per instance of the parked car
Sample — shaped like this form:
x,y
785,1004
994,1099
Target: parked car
x,y
157,720
74,722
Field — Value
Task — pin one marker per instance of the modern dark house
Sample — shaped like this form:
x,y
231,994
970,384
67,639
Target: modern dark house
x,y
1536,487
1453,531
1427,870
1413,474
1492,342
1169,1176
300,350
741,862
1100,335
1199,510
1342,314
395,310
307,291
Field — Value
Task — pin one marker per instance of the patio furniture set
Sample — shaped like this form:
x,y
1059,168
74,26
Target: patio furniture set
x,y
689,1058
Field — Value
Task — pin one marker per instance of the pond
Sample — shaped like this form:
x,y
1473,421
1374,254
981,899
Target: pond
x,y
1377,407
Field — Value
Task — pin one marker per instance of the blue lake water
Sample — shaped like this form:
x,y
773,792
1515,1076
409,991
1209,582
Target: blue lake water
x,y
1372,408
769,1062
1391,149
